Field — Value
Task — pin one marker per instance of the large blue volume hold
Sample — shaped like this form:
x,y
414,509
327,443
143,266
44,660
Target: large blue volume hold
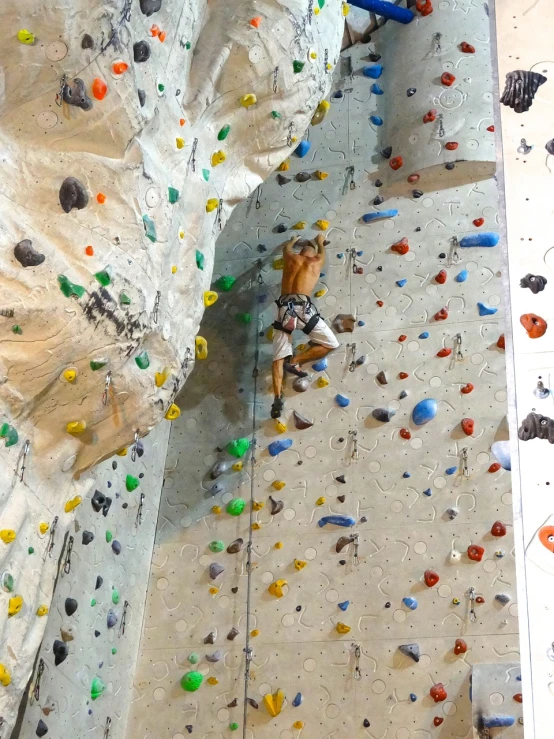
x,y
424,411
494,722
375,71
386,9
480,239
276,447
337,521
379,215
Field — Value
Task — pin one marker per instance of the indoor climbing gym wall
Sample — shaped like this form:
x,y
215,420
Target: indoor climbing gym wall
x,y
347,570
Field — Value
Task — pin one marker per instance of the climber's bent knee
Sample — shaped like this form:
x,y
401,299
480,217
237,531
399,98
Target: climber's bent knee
x,y
322,335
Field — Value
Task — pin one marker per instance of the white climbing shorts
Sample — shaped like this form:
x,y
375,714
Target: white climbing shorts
x,y
321,333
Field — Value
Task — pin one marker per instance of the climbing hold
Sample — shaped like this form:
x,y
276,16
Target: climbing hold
x,y
468,426
534,325
69,288
211,204
278,484
141,51
466,48
410,650
401,282
379,215
5,677
438,693
441,277
76,427
61,651
383,415
215,570
396,162
99,88
376,120
401,247
518,697
502,598
405,434
25,37
297,66
119,67
42,610
131,483
345,521
26,255
501,343
342,542
7,535
274,702
521,88
444,352
276,588
460,647
235,546
475,552
479,239
424,335
320,501
374,72
14,605
410,603
425,7
87,537
342,401
441,315
218,157
299,564
238,447
191,681
431,578
501,450
276,506
413,697
450,470
201,347
486,310
424,411
447,79
381,378
172,412
438,720
116,547
535,283
342,628
235,506
302,149
376,90
478,222
72,195
430,116
462,276
323,225
451,145
282,180
276,447
72,504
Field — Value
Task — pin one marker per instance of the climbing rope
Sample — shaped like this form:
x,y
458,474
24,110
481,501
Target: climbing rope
x,y
255,374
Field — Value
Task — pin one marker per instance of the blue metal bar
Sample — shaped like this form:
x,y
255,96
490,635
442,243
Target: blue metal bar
x,y
387,10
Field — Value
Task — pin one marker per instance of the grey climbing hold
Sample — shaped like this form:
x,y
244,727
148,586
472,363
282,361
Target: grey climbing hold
x,y
502,598
383,414
232,634
87,42
61,650
87,537
276,506
220,466
98,501
549,146
111,619
41,729
301,384
217,488
535,283
116,547
342,542
99,581
215,570
210,639
72,195
536,426
381,378
378,200
149,7
282,180
410,650
386,152
235,546
281,228
450,165
411,91
215,657
26,255
141,51
142,98
344,323
233,704
452,512
75,93
303,177
521,87
301,422
71,606
68,632
417,194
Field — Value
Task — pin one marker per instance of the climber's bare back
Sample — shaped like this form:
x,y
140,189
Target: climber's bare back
x,y
300,271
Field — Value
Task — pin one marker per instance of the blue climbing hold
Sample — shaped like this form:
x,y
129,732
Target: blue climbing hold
x,y
501,451
374,72
361,323
401,282
342,400
376,90
480,239
346,521
462,276
338,95
376,120
451,470
486,310
359,253
320,365
410,603
340,255
406,474
424,335
386,9
303,148
344,605
495,722
424,411
276,447
297,700
378,215
413,697
428,492
403,394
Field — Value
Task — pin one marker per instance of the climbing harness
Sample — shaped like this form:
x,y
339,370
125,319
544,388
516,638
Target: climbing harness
x,y
289,321
24,454
67,560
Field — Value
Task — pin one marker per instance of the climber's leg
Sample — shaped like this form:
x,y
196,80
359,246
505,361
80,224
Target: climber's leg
x,y
282,349
322,341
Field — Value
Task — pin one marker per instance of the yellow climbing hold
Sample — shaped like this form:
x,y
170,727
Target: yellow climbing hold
x,y
7,535
43,527
313,55
15,604
320,293
70,375
276,588
72,504
255,632
322,382
5,677
329,67
345,9
278,545
181,234
300,724
280,426
284,166
218,157
122,452
209,298
76,427
212,681
321,175
342,628
278,484
274,702
299,564
316,10
201,347
172,412
300,226
42,610
216,509
161,377
257,505
294,139
323,225
211,204
320,501
238,466
270,333
25,36
247,100
180,143
278,263
214,591
256,526
174,269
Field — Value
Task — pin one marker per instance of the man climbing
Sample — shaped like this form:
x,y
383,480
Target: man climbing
x,y
295,310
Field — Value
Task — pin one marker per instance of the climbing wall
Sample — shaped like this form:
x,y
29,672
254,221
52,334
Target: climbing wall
x,y
369,621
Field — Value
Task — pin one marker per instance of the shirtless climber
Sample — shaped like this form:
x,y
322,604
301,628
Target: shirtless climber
x,y
295,310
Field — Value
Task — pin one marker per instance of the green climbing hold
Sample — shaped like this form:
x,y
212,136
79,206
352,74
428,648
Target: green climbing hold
x,y
191,681
97,688
194,658
8,582
244,317
233,726
97,364
225,283
131,483
206,174
321,3
143,360
93,602
149,228
275,114
104,277
161,87
31,550
224,132
173,195
17,329
69,288
8,433
298,66
238,447
187,45
114,650
199,259
115,596
235,506
216,546
124,299
109,536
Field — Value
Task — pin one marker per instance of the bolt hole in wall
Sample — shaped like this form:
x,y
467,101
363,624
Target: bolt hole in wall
x,y
379,597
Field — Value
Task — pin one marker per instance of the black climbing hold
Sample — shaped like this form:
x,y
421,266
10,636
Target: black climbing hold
x,y
116,547
386,152
341,439
111,619
99,582
341,478
149,7
363,519
417,194
261,248
232,634
535,283
383,414
142,97
282,180
139,449
71,606
252,702
535,426
26,255
125,505
141,51
75,93
521,87
301,422
234,590
418,228
387,604
411,91
87,42
97,633
114,465
61,650
338,95
298,608
106,506
98,501
72,195
403,394
210,639
300,462
442,255
379,269
303,177
450,166
276,506
373,57
342,561
366,723
381,378
235,546
549,146
42,729
378,183
188,727
88,536
378,199
341,498
281,228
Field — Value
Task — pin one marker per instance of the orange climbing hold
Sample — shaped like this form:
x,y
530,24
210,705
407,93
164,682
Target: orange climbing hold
x,y
101,198
162,36
501,343
468,426
405,433
447,79
99,88
396,162
401,247
466,48
441,315
430,116
89,251
445,352
120,67
466,389
451,145
478,222
182,121
460,647
495,466
256,21
425,7
154,30
534,325
475,552
441,277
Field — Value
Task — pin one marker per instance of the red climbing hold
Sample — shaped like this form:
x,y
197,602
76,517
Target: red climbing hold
x,y
495,466
460,647
447,79
402,337
425,7
403,375
498,529
478,222
89,251
401,247
182,121
437,721
451,145
396,162
491,129
446,352
431,578
441,277
480,600
468,426
256,21
466,48
120,67
441,315
518,698
430,116
380,303
405,433
99,88
413,178
466,389
534,325
501,343
438,693
101,198
475,552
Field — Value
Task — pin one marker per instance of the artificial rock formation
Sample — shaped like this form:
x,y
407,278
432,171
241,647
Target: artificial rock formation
x,y
130,130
